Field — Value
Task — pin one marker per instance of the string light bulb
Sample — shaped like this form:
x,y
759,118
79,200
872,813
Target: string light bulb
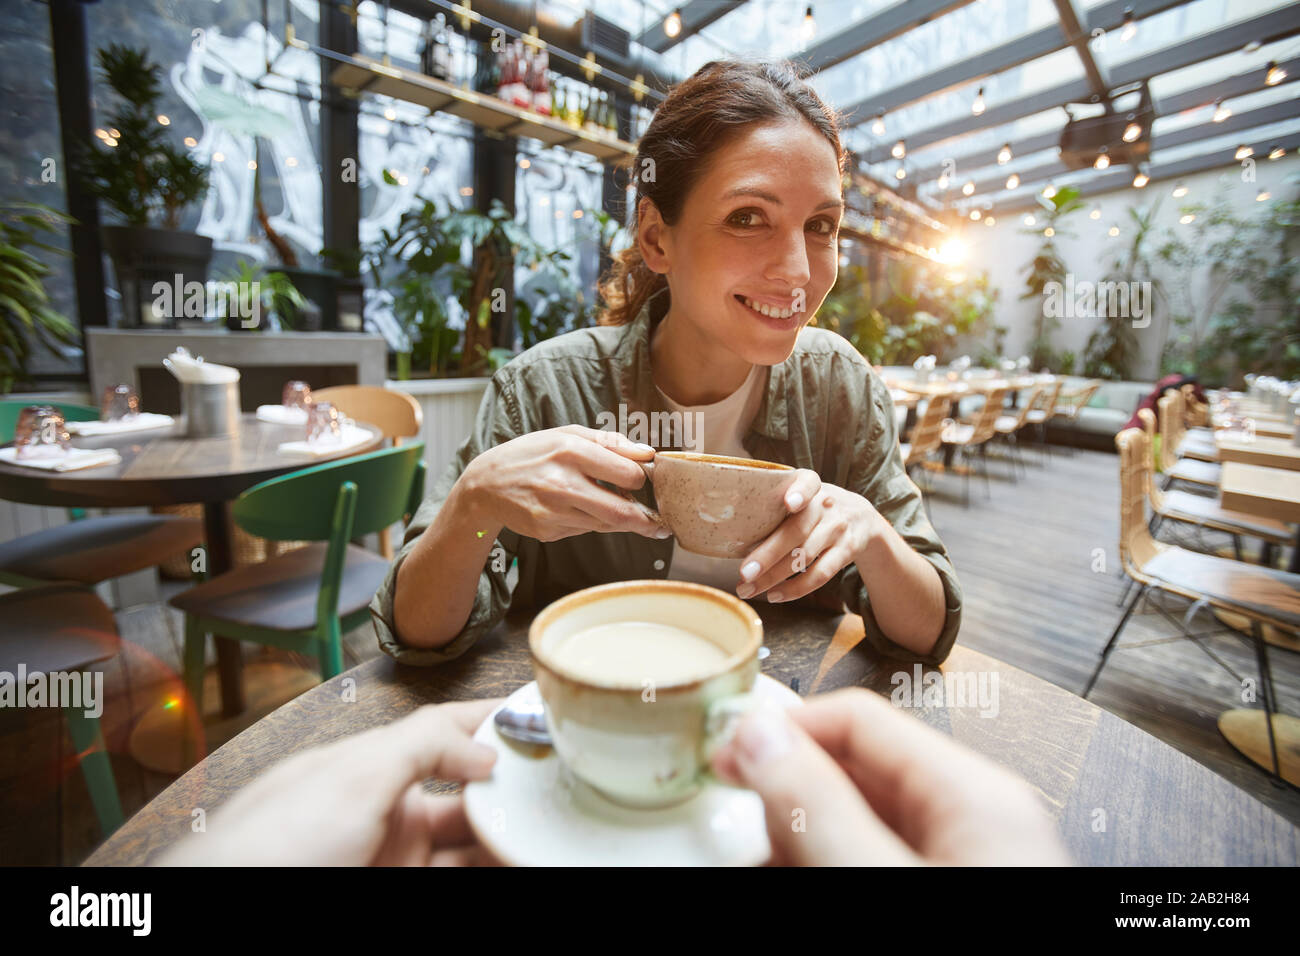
x,y
1013,180
1049,191
1180,191
1132,131
989,221
1140,180
1221,111
1129,29
1187,219
899,150
969,188
1103,160
1263,196
878,124
1277,152
1274,74
809,27
1113,231
943,181
1095,214
977,108
1243,152
900,173
673,24
1029,220
1049,232
975,215
1004,154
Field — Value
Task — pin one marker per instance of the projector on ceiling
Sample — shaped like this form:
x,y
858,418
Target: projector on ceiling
x,y
1123,136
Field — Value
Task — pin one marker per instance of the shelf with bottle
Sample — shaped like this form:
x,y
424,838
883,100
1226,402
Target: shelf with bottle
x,y
513,107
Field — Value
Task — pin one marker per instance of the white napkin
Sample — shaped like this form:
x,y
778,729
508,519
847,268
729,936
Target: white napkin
x,y
191,370
282,414
137,423
74,460
351,436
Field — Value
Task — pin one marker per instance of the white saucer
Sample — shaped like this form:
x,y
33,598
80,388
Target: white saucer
x,y
533,812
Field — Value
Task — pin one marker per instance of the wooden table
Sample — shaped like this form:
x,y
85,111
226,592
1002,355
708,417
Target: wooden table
x,y
1263,450
1160,807
163,467
1267,493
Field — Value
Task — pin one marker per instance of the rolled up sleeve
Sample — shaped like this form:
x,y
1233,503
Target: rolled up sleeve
x,y
879,476
498,420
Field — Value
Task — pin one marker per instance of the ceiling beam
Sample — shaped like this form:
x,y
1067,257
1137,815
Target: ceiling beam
x,y
1237,123
1031,46
1112,182
696,15
1266,28
1201,96
1078,37
874,30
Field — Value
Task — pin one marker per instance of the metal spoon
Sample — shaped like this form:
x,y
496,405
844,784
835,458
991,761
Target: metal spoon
x,y
525,719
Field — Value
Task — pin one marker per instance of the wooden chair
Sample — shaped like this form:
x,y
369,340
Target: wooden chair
x,y
1206,513
1261,594
1204,474
90,550
1044,409
976,434
1008,427
303,600
1173,429
927,435
67,629
396,414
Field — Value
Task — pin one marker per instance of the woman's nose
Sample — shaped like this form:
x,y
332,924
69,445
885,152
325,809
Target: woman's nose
x,y
789,263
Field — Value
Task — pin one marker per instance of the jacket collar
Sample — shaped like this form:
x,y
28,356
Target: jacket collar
x,y
636,380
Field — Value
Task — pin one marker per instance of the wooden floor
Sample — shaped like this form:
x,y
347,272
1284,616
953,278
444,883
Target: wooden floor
x,y
1038,566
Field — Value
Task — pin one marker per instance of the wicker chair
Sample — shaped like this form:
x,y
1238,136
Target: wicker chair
x,y
1204,474
976,435
1262,595
1043,408
1008,427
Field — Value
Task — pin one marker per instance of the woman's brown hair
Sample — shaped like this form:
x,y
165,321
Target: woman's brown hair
x,y
698,117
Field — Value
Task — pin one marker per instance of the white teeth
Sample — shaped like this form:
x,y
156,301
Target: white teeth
x,y
771,311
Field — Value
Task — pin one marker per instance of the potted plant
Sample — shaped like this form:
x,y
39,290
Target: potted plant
x,y
147,182
26,318
276,293
1045,268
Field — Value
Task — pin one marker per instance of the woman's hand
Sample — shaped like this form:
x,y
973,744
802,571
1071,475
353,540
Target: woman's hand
x,y
827,529
357,801
849,780
543,485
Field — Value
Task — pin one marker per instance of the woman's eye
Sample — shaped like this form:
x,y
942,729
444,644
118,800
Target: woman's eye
x,y
743,218
823,227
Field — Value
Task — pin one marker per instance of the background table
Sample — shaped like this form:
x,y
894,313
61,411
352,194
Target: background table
x,y
1262,450
163,467
1120,796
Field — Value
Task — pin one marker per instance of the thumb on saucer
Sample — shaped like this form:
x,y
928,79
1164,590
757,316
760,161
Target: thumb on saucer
x,y
815,814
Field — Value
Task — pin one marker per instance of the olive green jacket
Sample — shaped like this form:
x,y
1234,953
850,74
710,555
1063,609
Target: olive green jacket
x,y
824,409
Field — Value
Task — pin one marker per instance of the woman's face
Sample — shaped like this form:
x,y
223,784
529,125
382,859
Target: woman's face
x,y
756,248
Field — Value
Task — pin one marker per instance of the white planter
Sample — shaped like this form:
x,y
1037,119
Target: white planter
x,y
450,406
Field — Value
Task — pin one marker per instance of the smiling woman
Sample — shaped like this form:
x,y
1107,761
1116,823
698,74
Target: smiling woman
x,y
738,205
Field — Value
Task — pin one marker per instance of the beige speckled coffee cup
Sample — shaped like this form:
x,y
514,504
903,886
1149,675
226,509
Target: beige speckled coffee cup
x,y
718,506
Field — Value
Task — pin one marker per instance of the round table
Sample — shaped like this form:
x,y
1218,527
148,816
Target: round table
x,y
1120,796
161,466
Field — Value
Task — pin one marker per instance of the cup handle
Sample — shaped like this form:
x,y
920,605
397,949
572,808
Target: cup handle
x,y
649,468
720,722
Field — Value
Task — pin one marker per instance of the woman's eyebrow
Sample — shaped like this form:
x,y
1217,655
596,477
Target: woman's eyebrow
x,y
775,200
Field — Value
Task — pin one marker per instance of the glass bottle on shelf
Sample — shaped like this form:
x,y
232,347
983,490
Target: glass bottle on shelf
x,y
593,111
611,118
540,87
426,49
442,54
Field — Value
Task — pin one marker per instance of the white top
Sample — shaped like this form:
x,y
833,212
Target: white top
x,y
717,429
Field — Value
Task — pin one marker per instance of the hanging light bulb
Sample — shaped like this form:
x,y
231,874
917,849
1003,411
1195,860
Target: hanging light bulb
x,y
164,120
1095,214
673,24
1180,191
1274,74
1130,28
900,173
943,181
1187,219
1277,152
809,28
1004,154
975,215
390,114
1049,232
1263,196
1243,152
969,188
989,220
1140,180
1221,111
1030,220
1013,180
899,150
878,124
1103,160
1049,191
1132,131
977,108
1113,231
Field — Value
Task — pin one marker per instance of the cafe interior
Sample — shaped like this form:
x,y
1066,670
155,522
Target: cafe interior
x,y
270,269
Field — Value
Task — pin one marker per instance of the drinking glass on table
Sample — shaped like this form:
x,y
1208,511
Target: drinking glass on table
x,y
41,432
120,402
296,395
324,424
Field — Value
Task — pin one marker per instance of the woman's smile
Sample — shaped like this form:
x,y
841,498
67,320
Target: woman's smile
x,y
780,317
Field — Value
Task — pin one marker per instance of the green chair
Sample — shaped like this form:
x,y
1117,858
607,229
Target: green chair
x,y
303,600
66,629
90,550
